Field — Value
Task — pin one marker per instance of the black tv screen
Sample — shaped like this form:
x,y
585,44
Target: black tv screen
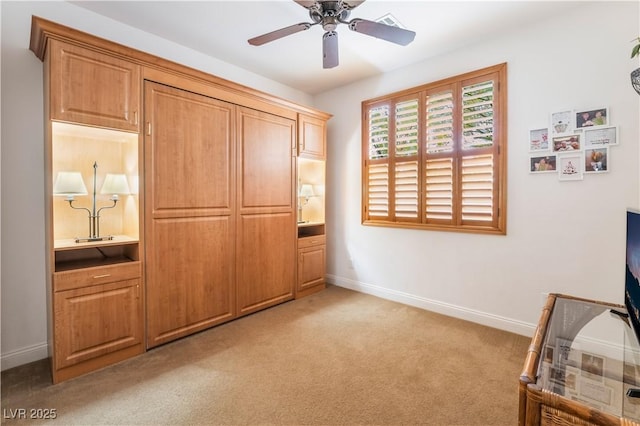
x,y
632,277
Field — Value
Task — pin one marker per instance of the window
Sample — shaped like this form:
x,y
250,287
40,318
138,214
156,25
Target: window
x,y
434,157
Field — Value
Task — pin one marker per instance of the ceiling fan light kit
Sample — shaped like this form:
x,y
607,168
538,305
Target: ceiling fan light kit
x,y
329,14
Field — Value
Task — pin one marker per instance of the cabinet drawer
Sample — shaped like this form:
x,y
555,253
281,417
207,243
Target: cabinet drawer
x,y
86,277
311,241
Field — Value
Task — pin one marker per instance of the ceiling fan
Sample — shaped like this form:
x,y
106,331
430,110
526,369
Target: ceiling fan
x,y
329,14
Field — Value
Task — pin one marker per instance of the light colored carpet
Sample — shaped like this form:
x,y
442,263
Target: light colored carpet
x,y
337,357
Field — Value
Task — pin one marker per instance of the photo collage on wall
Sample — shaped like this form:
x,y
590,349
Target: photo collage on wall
x,y
575,143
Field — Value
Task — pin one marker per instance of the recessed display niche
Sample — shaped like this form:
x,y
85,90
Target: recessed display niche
x,y
95,218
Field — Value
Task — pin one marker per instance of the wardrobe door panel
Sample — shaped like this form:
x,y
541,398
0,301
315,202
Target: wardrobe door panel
x,y
266,273
191,152
266,260
189,281
190,222
267,163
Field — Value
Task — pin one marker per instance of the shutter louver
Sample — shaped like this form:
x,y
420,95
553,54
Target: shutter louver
x,y
439,116
406,190
477,115
439,189
407,128
378,190
477,188
379,133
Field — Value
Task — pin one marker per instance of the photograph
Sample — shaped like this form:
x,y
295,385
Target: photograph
x,y
548,354
541,164
592,366
566,143
570,379
557,375
596,160
593,117
561,122
539,140
570,167
598,137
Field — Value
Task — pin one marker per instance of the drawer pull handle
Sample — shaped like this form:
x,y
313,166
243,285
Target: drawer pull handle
x,y
101,276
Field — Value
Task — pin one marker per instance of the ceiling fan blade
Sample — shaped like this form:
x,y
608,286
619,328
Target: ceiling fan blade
x,y
352,4
386,32
330,49
282,32
305,4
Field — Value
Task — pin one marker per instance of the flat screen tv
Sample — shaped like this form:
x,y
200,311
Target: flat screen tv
x,y
632,277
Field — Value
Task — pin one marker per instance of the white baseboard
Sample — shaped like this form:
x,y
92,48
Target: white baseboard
x,y
484,318
23,356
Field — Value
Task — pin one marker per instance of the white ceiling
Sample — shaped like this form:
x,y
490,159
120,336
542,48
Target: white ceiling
x,y
221,29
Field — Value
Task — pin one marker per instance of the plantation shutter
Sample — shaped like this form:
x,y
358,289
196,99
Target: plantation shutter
x,y
377,166
406,190
439,165
434,156
477,165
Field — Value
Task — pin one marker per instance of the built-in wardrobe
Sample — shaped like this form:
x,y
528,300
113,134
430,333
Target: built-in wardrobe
x,y
208,226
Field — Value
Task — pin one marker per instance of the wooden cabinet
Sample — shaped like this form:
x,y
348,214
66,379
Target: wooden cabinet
x,y
221,219
311,137
94,321
95,291
209,230
96,298
311,264
95,281
93,88
311,204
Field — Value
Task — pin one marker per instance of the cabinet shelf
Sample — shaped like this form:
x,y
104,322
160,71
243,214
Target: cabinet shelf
x,y
70,244
310,229
70,255
70,265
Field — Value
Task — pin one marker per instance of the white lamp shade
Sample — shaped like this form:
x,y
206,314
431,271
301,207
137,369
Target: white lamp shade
x,y
69,184
115,184
306,190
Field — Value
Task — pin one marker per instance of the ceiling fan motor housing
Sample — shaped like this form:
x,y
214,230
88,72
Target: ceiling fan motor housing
x,y
329,14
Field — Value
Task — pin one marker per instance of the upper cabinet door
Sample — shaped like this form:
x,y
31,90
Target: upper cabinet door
x,y
92,88
311,137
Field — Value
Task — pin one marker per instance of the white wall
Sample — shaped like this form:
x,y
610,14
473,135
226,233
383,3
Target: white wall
x,y
564,237
24,321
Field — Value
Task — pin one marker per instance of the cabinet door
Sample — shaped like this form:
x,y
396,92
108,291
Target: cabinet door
x,y
311,267
267,216
95,321
311,137
92,88
189,216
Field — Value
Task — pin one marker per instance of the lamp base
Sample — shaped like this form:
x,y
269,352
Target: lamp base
x,y
92,239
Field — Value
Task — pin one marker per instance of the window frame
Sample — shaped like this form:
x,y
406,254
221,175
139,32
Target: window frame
x,y
497,152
